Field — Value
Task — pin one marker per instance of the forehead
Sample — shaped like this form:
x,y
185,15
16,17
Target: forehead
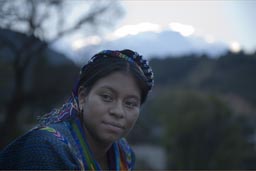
x,y
120,82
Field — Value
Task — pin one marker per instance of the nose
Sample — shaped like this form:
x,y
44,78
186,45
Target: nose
x,y
117,110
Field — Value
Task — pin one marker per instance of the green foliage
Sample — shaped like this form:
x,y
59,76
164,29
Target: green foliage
x,y
202,133
234,73
200,127
173,70
230,73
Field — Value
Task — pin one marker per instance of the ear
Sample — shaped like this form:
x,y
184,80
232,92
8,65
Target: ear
x,y
81,96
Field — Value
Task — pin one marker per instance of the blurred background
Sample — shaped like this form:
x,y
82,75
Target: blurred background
x,y
201,113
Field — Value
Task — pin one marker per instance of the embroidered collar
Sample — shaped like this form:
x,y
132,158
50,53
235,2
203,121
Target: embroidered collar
x,y
116,157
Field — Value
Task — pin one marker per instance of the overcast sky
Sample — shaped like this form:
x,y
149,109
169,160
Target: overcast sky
x,y
222,21
227,21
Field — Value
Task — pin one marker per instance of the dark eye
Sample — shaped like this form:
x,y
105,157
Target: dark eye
x,y
131,104
106,98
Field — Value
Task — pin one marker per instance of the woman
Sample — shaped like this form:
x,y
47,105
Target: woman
x,y
88,131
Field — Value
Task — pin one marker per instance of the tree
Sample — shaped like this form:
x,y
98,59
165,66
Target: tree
x,y
44,22
202,133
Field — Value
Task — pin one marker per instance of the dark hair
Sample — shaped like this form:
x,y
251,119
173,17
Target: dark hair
x,y
104,66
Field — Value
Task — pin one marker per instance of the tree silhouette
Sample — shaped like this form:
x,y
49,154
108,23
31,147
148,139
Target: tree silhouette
x,y
43,22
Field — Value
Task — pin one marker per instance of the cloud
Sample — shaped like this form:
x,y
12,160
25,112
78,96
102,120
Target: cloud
x,y
133,30
79,43
183,29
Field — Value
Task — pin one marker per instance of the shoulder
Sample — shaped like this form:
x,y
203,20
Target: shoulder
x,y
40,148
128,152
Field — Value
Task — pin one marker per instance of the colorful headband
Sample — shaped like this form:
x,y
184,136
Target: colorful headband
x,y
137,59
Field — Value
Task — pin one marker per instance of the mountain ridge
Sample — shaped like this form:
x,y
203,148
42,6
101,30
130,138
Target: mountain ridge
x,y
160,44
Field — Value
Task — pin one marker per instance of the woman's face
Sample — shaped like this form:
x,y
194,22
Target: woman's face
x,y
111,108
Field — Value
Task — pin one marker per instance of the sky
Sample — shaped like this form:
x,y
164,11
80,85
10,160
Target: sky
x,y
233,22
227,21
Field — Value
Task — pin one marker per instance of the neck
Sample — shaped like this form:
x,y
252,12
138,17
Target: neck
x,y
99,149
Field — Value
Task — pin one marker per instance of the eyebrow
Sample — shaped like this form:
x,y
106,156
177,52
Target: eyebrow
x,y
113,90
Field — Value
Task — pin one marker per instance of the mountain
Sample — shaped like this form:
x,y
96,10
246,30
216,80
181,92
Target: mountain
x,y
160,44
12,40
48,78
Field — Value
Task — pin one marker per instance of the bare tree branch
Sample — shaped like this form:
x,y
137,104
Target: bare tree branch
x,y
43,22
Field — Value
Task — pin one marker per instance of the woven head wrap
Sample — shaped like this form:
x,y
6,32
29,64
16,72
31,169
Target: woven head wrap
x,y
71,108
134,57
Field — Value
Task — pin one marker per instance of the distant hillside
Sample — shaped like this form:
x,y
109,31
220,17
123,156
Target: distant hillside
x,y
228,74
48,80
16,40
230,78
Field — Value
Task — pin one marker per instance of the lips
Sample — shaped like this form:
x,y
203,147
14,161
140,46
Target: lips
x,y
113,125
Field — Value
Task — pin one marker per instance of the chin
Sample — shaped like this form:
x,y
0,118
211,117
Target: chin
x,y
110,138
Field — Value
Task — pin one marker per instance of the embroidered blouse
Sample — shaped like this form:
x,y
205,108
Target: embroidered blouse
x,y
61,146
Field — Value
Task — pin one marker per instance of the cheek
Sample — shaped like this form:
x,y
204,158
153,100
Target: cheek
x,y
94,107
131,119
